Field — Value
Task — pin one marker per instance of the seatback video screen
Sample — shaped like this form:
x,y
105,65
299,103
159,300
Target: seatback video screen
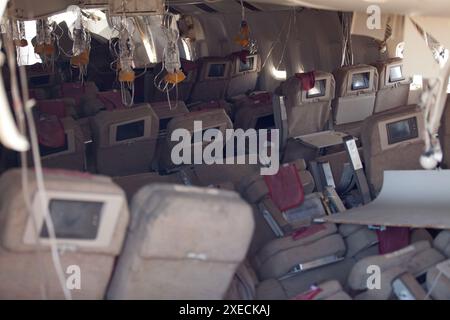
x,y
72,219
402,130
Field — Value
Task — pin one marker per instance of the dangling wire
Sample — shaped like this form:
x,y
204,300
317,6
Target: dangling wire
x,y
19,108
347,49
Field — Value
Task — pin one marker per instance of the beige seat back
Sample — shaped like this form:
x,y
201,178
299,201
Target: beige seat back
x,y
165,113
90,217
212,119
355,93
70,155
415,259
393,86
40,76
243,75
392,140
307,111
125,140
179,244
253,112
212,80
444,134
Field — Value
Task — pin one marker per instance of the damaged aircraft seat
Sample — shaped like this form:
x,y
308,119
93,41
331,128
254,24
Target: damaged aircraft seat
x,y
61,108
38,94
295,182
183,90
254,112
392,140
212,79
41,77
76,91
416,259
440,288
90,217
217,174
393,87
103,100
213,119
307,109
315,253
329,290
245,286
356,88
125,140
179,245
210,105
61,143
244,74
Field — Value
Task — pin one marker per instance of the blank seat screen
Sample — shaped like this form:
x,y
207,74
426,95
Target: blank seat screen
x,y
318,90
131,130
163,124
39,80
247,66
74,219
216,70
266,122
402,130
360,81
395,74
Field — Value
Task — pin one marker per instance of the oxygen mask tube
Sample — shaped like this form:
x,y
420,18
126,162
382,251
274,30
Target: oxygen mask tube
x,y
243,38
81,43
45,47
171,64
127,75
18,33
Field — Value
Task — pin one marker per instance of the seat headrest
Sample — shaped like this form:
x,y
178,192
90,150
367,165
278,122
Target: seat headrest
x,y
135,123
214,118
356,79
191,223
89,212
111,100
50,131
58,107
77,90
163,110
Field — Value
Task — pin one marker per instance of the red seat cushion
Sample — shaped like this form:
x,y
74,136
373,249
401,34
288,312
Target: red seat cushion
x,y
393,239
285,188
112,100
55,107
308,295
307,231
50,131
307,80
